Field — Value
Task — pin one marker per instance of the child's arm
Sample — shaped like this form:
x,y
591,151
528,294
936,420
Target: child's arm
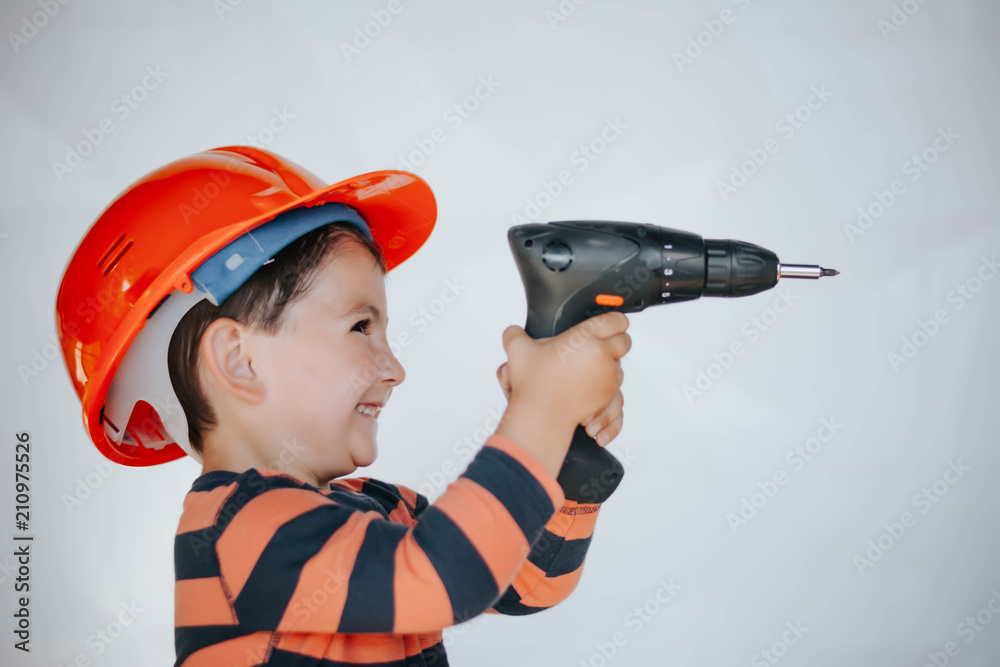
x,y
555,563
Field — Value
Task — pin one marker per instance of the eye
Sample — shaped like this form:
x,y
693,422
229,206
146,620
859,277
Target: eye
x,y
365,324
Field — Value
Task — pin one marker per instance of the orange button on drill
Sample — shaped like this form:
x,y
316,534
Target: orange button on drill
x,y
609,300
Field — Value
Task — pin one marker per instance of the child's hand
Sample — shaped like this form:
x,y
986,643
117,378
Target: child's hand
x,y
604,428
557,382
572,377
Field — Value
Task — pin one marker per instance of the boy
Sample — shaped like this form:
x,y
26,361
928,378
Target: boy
x,y
300,565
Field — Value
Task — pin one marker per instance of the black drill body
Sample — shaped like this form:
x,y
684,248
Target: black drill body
x,y
573,270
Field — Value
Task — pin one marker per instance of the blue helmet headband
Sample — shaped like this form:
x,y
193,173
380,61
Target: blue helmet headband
x,y
222,274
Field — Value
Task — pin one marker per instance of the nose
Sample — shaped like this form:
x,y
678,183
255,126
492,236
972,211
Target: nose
x,y
390,370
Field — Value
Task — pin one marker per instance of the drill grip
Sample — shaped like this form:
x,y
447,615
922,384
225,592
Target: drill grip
x,y
590,473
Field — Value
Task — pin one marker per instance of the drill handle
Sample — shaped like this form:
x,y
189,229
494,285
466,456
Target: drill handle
x,y
590,473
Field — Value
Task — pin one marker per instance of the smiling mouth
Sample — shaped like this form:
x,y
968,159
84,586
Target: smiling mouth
x,y
369,410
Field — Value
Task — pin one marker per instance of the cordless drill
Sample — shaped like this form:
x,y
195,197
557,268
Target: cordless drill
x,y
573,270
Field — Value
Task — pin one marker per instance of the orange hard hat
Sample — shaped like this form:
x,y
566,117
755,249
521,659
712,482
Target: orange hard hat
x,y
146,245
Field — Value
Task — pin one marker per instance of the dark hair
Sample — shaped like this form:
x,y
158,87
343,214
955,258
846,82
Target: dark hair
x,y
259,303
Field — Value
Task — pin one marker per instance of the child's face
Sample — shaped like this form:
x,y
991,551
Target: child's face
x,y
331,355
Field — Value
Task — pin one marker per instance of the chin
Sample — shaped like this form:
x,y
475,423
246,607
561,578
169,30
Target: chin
x,y
367,457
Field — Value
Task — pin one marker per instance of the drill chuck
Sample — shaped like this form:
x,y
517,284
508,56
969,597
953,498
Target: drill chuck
x,y
735,268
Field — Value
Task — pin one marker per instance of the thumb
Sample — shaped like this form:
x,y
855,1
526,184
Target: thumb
x,y
512,333
503,377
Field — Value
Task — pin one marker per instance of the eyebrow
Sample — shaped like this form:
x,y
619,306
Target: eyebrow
x,y
366,308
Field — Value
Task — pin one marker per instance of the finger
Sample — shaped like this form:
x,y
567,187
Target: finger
x,y
619,345
606,415
511,334
611,431
604,325
504,379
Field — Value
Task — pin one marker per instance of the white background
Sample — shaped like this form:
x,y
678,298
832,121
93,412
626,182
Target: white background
x,y
695,460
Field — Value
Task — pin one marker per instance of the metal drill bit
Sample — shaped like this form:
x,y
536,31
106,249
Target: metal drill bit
x,y
804,271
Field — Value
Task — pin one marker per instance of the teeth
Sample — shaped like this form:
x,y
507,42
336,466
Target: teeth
x,y
371,410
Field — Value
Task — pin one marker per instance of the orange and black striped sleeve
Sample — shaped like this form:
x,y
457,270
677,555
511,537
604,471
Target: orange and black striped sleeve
x,y
271,545
555,562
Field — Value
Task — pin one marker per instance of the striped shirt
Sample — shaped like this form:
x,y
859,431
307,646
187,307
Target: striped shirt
x,y
271,570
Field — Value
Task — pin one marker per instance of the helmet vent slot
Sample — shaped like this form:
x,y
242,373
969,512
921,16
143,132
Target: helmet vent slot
x,y
114,261
107,253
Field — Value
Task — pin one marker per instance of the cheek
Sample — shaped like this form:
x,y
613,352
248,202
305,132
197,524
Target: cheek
x,y
341,373
303,373
353,365
315,374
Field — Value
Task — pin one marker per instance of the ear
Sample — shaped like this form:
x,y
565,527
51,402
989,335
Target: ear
x,y
227,359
